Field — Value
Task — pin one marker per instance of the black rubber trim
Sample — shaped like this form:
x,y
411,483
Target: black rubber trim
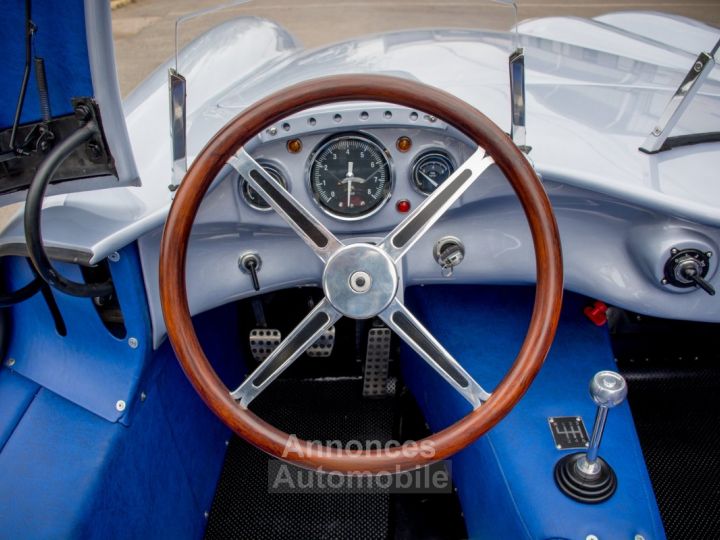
x,y
33,209
418,220
686,140
429,347
307,226
316,323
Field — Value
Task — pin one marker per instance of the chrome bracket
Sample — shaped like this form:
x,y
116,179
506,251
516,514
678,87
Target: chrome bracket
x,y
178,133
675,108
517,99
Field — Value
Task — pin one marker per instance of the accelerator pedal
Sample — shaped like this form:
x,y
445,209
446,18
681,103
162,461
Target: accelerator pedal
x,y
377,360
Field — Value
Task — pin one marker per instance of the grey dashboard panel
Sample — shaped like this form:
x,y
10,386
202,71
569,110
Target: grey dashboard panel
x,y
613,250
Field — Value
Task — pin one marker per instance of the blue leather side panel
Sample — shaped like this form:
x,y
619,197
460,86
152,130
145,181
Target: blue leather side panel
x,y
60,40
505,480
16,393
88,366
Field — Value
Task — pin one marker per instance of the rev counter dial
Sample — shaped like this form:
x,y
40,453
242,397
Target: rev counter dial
x,y
350,176
430,170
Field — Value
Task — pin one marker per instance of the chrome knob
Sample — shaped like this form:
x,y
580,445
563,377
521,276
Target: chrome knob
x,y
607,389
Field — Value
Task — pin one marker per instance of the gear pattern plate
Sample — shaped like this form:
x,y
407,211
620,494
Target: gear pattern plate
x,y
568,432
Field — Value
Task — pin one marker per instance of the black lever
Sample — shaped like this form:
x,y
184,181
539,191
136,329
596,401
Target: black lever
x,y
692,274
251,263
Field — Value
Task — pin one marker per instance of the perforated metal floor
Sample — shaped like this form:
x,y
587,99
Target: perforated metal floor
x,y
677,415
315,410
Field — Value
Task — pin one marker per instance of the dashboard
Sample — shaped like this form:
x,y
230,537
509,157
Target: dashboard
x,y
361,168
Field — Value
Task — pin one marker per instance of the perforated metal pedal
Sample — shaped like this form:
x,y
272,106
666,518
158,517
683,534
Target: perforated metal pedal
x,y
263,342
377,360
323,347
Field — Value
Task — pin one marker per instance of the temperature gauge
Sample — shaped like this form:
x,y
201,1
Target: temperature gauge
x,y
430,170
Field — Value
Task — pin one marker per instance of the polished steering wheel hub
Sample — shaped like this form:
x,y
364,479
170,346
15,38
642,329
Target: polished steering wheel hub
x,y
360,281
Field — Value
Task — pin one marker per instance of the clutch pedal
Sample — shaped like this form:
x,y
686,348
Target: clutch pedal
x,y
377,360
263,342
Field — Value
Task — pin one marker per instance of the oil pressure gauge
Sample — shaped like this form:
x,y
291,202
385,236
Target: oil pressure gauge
x,y
430,170
252,197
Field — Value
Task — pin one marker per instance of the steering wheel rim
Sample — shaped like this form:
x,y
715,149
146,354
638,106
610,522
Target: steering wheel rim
x,y
379,88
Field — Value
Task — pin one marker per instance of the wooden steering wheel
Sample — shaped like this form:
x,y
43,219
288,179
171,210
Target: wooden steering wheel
x,y
361,280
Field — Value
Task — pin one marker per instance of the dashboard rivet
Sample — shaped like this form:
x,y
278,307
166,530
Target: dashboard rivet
x,y
673,251
403,144
272,131
114,256
133,343
708,254
120,405
294,146
664,281
10,362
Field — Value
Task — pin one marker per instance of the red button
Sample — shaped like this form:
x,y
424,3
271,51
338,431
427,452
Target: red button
x,y
403,206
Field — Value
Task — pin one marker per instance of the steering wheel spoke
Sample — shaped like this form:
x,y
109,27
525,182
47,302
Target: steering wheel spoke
x,y
322,317
399,318
313,232
412,228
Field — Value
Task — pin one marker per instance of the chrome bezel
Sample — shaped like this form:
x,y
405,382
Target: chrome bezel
x,y
273,169
424,155
358,136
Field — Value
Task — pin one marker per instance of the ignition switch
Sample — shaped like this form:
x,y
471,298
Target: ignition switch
x,y
688,268
449,252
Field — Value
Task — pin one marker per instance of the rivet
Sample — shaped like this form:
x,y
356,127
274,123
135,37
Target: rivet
x,y
114,256
206,515
657,132
133,342
143,396
639,537
227,443
673,251
664,281
431,119
10,362
708,254
272,131
120,405
591,537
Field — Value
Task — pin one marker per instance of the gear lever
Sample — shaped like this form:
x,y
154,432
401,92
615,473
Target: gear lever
x,y
585,476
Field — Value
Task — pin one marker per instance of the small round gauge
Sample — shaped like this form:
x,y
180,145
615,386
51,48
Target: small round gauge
x,y
252,197
430,170
350,176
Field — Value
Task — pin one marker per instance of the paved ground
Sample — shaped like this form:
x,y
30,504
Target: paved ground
x,y
143,30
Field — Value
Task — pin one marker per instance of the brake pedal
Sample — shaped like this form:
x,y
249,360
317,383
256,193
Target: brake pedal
x,y
377,360
323,347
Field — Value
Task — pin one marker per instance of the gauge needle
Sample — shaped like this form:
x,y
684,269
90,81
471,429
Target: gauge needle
x,y
433,182
349,176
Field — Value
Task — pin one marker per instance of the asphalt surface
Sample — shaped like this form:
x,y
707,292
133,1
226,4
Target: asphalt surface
x,y
144,29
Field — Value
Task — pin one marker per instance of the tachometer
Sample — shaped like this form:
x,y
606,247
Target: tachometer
x,y
430,170
350,176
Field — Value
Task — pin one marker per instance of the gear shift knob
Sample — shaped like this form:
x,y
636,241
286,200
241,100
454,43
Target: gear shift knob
x,y
608,389
586,477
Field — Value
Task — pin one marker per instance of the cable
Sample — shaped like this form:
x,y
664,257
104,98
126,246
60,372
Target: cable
x,y
33,209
